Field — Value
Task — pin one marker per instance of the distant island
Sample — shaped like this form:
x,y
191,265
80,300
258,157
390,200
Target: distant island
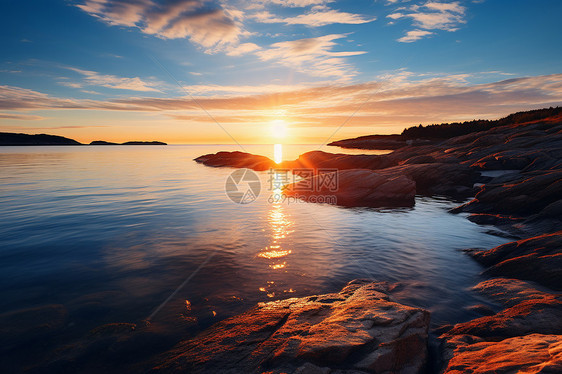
x,y
8,138
17,139
102,142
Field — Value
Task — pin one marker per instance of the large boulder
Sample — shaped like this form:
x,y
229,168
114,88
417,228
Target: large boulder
x,y
356,187
526,195
533,353
360,329
236,159
437,178
528,310
524,337
537,259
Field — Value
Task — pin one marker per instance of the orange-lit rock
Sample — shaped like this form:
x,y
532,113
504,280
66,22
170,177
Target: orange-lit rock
x,y
533,353
359,328
528,311
236,159
526,337
537,259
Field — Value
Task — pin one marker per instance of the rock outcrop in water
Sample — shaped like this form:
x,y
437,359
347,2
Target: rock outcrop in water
x,y
358,330
358,187
536,259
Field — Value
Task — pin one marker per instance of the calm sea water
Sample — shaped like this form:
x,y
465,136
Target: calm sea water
x,y
111,232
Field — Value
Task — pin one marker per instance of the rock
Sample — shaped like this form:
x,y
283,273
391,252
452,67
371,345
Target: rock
x,y
320,159
357,187
422,159
528,310
525,196
437,178
492,219
533,353
524,337
358,329
509,292
537,259
481,309
236,160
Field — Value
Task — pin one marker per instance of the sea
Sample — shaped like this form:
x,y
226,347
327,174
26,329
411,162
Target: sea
x,y
143,235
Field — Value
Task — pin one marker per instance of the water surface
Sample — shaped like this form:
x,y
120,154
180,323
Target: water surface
x,y
111,232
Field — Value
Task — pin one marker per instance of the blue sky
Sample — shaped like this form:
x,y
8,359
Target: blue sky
x,y
117,70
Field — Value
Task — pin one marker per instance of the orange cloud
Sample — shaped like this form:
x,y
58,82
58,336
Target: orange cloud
x,y
384,106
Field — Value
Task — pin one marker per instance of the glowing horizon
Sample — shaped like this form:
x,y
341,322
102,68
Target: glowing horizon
x,y
328,69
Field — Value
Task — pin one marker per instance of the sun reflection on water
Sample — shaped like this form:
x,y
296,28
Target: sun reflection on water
x,y
280,227
277,252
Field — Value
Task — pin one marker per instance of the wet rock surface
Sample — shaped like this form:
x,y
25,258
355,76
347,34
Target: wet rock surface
x,y
533,353
358,330
523,337
537,259
359,187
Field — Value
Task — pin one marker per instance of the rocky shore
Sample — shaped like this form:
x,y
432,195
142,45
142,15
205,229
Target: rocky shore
x,y
358,330
514,173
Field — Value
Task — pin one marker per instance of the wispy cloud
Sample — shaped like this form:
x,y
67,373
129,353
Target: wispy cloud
x,y
207,23
22,117
413,35
431,15
242,49
319,16
297,3
314,56
93,78
400,99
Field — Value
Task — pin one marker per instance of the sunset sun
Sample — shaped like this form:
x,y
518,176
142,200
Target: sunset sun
x,y
279,128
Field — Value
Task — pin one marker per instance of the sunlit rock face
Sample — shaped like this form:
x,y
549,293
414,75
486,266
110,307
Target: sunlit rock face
x,y
533,353
537,259
524,337
360,187
236,159
360,329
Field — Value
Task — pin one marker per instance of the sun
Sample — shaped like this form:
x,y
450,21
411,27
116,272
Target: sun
x,y
279,128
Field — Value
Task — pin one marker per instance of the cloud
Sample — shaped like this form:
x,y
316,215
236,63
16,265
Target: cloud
x,y
298,3
315,18
412,36
207,23
431,15
22,117
111,81
242,49
314,56
395,101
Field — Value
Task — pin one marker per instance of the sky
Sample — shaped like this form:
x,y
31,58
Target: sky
x,y
268,71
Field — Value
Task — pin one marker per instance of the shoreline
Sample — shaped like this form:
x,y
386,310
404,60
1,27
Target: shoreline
x,y
524,275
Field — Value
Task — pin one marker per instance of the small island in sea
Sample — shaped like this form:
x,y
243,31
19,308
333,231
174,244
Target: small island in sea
x,y
102,142
17,139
